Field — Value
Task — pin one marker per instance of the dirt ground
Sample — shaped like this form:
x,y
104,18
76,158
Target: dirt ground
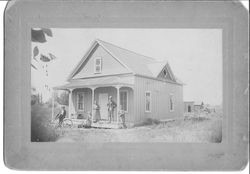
x,y
204,128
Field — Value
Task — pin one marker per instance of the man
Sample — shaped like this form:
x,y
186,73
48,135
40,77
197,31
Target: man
x,y
111,107
61,116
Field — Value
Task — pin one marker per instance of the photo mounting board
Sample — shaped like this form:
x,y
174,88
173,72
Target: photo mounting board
x,y
22,15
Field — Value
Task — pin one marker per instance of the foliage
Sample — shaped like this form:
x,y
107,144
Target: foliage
x,y
34,99
62,98
41,129
148,121
40,35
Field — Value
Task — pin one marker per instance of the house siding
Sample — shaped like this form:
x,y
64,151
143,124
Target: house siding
x,y
110,65
130,113
160,96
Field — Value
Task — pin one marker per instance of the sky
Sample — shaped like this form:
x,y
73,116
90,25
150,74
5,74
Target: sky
x,y
195,55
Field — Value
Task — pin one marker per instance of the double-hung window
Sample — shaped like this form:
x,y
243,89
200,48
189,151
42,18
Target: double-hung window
x,y
98,65
147,101
80,101
124,100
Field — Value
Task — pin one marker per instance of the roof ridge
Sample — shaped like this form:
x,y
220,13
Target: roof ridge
x,y
151,58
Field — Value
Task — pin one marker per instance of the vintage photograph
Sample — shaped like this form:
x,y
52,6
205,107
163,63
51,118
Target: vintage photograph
x,y
126,85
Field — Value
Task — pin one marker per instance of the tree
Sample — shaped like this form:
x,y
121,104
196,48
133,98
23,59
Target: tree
x,y
63,98
202,105
40,60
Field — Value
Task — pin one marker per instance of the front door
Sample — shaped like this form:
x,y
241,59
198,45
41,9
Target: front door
x,y
189,108
103,101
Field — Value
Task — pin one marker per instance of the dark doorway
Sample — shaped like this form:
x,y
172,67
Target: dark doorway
x,y
189,108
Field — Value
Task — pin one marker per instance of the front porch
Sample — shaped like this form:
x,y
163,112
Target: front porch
x,y
81,102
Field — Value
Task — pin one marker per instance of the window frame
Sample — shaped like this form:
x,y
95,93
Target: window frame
x,y
126,91
150,102
171,96
77,101
95,65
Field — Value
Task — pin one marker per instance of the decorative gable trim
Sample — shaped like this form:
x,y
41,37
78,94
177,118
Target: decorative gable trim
x,y
167,67
72,74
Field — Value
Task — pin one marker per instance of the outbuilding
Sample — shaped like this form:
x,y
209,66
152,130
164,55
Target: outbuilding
x,y
188,106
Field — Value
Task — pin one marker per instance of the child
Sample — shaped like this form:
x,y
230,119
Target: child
x,y
87,122
122,117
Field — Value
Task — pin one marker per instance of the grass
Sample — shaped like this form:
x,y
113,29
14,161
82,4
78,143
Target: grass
x,y
198,128
147,122
203,129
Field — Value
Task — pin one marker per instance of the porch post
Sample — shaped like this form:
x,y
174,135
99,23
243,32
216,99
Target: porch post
x,y
92,106
71,106
118,103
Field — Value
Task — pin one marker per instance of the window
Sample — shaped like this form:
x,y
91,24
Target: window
x,y
80,97
98,65
165,73
124,100
171,103
148,101
189,108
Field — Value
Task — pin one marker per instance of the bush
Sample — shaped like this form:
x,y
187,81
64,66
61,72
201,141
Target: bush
x,y
148,121
41,129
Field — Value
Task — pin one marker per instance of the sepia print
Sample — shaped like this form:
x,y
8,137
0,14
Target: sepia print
x,y
102,85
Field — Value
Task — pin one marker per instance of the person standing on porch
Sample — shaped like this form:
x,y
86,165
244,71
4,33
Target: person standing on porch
x,y
111,107
96,113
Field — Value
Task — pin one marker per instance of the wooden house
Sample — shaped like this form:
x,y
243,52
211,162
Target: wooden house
x,y
143,87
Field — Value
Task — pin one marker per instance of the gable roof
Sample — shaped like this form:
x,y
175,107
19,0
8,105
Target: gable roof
x,y
134,62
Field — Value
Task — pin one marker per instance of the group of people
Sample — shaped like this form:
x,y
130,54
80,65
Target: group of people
x,y
111,107
96,114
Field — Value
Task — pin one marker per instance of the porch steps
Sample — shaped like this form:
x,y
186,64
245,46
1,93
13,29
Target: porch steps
x,y
106,125
101,124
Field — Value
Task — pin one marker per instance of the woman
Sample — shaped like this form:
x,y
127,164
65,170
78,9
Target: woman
x,y
96,113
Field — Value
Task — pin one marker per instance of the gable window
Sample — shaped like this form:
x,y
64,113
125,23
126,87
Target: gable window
x,y
80,103
124,100
165,73
171,103
98,65
147,101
